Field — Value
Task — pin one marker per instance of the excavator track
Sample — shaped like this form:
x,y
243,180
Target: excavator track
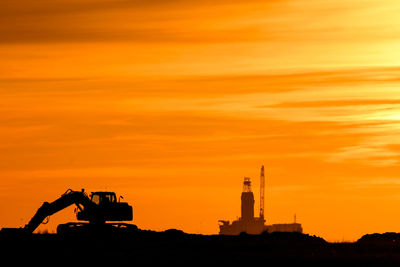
x,y
13,231
79,227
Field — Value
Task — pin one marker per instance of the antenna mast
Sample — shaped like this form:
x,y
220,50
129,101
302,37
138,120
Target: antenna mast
x,y
262,188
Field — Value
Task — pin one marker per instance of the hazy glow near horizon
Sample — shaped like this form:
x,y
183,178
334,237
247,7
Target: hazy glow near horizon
x,y
172,103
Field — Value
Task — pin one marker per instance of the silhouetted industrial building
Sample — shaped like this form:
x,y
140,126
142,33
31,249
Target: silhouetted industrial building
x,y
247,222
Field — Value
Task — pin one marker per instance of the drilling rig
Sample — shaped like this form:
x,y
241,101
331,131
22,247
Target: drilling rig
x,y
250,224
262,189
247,223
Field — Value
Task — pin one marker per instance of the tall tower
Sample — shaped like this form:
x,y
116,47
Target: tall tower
x,y
262,188
247,201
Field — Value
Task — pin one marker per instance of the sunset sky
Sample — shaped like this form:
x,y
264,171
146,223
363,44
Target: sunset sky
x,y
172,103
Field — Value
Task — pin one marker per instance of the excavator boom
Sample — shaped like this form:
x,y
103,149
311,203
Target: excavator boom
x,y
47,209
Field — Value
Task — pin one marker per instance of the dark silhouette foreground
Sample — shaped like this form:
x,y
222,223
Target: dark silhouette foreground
x,y
176,247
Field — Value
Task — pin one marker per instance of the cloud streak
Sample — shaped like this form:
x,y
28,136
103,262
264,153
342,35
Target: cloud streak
x,y
185,21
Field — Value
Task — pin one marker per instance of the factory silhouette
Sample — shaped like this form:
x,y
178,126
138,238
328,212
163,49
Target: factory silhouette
x,y
249,224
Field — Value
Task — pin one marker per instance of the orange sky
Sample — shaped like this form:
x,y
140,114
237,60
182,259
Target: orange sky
x,y
172,103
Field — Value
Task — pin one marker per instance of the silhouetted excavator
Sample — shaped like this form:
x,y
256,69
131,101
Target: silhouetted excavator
x,y
97,209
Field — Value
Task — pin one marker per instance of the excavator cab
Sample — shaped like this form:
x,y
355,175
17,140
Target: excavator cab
x,y
101,198
105,207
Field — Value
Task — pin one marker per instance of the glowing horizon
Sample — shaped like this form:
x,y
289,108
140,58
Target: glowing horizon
x,y
172,103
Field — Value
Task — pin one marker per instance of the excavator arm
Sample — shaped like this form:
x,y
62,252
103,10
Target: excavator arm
x,y
70,197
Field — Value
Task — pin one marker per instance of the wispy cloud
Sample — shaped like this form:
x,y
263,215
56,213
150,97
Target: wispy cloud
x,y
188,21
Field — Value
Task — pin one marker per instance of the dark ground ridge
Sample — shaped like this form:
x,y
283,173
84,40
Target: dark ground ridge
x,y
176,247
